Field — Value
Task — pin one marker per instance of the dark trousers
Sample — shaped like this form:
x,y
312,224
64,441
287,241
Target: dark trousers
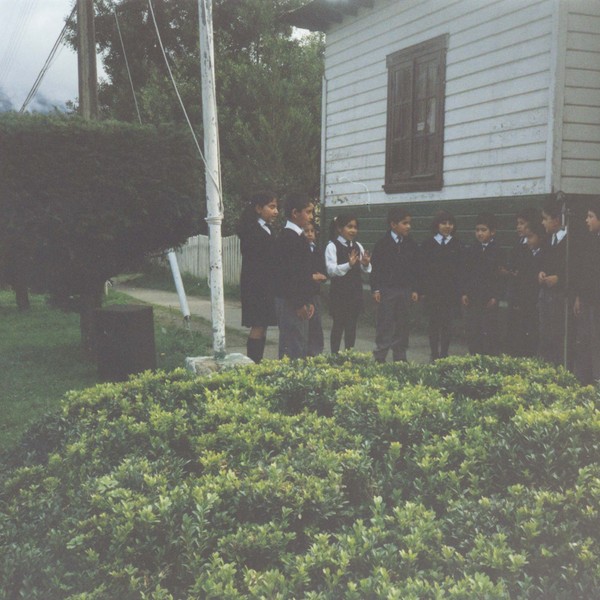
x,y
439,330
522,331
392,326
316,342
483,335
552,311
293,331
587,352
344,325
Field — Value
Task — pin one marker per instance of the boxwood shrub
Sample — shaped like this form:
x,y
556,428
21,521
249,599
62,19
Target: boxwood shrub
x,y
474,477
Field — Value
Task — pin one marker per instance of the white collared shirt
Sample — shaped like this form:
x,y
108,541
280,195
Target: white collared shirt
x,y
397,238
439,238
263,224
331,264
560,234
294,227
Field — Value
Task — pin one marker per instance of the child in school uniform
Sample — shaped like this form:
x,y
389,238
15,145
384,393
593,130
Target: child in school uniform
x,y
482,288
394,285
440,272
345,260
294,282
525,292
315,327
553,293
516,343
587,301
257,275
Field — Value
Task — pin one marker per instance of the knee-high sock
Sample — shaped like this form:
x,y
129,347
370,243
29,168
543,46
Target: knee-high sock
x,y
337,330
255,349
434,336
350,335
446,335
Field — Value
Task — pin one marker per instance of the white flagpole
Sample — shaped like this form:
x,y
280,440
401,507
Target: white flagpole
x,y
214,202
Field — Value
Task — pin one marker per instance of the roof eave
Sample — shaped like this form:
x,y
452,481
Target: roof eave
x,y
320,15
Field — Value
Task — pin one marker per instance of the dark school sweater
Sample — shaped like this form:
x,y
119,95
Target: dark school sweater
x,y
394,265
481,279
586,270
554,261
293,259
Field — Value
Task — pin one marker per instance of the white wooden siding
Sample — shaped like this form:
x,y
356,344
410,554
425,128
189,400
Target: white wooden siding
x,y
581,128
497,96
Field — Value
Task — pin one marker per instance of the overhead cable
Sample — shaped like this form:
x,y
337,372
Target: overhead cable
x,y
207,169
42,73
16,38
137,108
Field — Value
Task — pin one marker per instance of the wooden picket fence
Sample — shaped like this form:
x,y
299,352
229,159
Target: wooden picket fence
x,y
193,258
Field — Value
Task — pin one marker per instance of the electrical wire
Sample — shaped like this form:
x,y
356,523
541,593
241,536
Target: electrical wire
x,y
137,108
16,38
47,64
207,169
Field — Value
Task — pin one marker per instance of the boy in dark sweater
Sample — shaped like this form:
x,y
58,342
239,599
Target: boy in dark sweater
x,y
315,326
294,288
394,285
587,301
482,288
553,292
525,292
516,343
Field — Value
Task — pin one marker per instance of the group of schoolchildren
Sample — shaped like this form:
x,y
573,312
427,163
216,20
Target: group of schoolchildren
x,y
281,276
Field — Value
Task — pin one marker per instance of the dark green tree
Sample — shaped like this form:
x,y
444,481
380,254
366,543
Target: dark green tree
x,y
268,85
82,201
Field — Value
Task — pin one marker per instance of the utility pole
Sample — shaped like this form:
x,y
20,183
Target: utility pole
x,y
214,205
86,60
91,296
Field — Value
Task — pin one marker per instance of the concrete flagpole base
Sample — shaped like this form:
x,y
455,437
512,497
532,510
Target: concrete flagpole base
x,y
207,365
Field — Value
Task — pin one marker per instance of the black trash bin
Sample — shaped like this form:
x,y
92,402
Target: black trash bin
x,y
124,341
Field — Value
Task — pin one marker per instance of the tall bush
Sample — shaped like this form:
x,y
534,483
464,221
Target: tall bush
x,y
83,201
335,478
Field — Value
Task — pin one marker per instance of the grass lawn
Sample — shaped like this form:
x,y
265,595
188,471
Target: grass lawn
x,y
41,358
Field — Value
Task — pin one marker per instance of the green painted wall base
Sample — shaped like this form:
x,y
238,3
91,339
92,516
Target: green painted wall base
x,y
373,219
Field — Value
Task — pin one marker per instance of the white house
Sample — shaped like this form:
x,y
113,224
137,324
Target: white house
x,y
457,104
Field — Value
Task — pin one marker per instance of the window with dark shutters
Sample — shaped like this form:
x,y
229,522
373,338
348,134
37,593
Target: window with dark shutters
x,y
415,117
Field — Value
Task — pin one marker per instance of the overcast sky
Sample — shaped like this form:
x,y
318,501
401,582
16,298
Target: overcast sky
x,y
28,31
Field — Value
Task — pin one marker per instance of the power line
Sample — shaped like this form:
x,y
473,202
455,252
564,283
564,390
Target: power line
x,y
42,73
137,108
208,171
15,39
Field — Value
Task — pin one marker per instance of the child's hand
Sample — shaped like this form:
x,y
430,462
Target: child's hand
x,y
414,297
366,258
319,277
465,300
491,303
353,257
541,277
550,280
377,297
306,312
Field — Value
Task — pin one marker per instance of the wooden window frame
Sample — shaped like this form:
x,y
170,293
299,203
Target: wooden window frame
x,y
409,60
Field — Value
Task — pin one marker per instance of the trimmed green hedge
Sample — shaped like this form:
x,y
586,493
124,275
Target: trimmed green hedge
x,y
474,477
82,201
